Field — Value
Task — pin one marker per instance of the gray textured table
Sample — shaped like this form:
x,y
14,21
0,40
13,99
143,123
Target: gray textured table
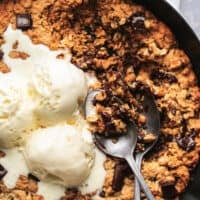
x,y
190,9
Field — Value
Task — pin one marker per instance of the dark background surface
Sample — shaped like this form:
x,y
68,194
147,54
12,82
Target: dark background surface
x,y
191,11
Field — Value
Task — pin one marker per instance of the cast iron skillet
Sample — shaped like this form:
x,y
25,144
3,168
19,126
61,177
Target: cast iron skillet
x,y
191,44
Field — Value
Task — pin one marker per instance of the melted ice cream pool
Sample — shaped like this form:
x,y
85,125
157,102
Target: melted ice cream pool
x,y
23,69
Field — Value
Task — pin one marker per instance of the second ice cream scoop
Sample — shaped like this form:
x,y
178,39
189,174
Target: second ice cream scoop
x,y
60,155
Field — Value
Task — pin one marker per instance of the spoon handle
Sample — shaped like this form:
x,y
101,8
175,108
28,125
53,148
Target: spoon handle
x,y
139,177
138,160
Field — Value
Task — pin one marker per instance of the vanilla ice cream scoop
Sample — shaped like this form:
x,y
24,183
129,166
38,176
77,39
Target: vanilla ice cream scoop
x,y
16,116
58,88
60,155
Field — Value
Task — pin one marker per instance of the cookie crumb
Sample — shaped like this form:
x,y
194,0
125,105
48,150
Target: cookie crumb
x,y
15,45
18,55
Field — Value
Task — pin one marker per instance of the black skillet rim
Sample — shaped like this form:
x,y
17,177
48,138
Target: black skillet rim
x,y
190,43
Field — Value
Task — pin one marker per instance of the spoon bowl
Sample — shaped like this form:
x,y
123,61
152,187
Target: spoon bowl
x,y
120,147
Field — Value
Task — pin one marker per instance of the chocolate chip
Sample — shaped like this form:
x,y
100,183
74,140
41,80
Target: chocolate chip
x,y
168,189
70,194
31,176
106,117
121,171
110,128
72,189
137,22
102,194
88,29
130,60
184,126
1,54
187,142
3,171
173,110
197,113
23,21
157,76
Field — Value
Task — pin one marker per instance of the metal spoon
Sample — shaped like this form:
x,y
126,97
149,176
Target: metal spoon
x,y
122,148
152,125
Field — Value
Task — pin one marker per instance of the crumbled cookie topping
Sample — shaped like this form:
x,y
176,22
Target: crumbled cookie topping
x,y
4,68
3,171
25,189
18,54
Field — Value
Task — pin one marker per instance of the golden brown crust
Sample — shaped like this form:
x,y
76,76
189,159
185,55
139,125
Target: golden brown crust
x,y
25,189
18,54
4,68
123,44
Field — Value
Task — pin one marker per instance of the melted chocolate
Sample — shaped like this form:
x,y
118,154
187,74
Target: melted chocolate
x,y
159,76
31,176
121,171
168,190
187,142
1,54
23,21
137,22
3,172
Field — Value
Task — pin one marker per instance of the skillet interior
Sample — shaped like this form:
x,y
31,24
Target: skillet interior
x,y
182,31
191,44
